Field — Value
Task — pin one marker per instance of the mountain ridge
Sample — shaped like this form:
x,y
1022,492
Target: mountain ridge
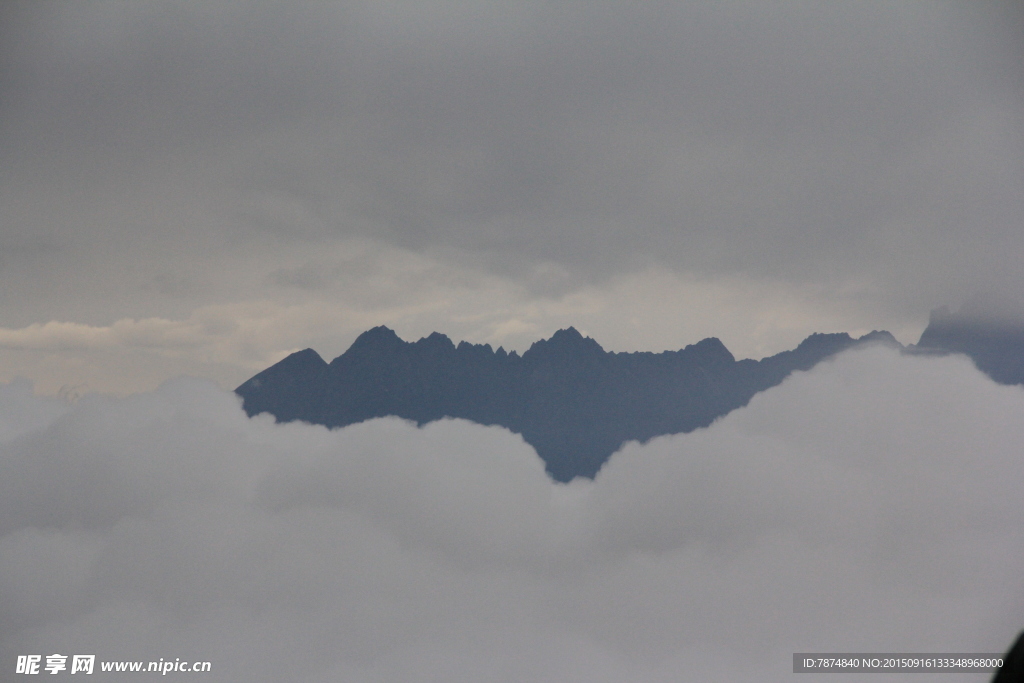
x,y
574,402
995,345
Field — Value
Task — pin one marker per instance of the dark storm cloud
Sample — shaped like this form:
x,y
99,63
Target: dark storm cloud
x,y
763,137
863,155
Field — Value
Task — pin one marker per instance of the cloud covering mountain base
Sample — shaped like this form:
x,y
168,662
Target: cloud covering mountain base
x,y
871,504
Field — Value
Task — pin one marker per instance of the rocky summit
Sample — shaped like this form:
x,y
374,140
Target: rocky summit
x,y
574,402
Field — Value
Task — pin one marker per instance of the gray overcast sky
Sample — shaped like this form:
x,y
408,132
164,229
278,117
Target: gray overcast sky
x,y
203,187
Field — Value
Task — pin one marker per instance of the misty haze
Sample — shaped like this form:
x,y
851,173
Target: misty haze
x,y
524,341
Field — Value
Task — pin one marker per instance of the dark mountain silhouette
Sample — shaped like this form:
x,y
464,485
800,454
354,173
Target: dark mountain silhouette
x,y
574,402
995,345
1012,670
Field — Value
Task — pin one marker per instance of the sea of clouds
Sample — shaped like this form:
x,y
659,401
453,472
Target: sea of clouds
x,y
871,504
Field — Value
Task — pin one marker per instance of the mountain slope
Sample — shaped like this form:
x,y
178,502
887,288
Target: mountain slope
x,y
996,346
574,402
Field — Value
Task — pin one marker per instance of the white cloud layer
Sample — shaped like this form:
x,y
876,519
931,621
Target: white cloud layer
x,y
871,504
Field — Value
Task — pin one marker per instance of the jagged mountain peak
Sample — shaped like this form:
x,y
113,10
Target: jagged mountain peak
x,y
303,363
435,341
820,339
303,358
567,333
881,337
562,342
376,342
376,336
993,340
572,401
712,348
